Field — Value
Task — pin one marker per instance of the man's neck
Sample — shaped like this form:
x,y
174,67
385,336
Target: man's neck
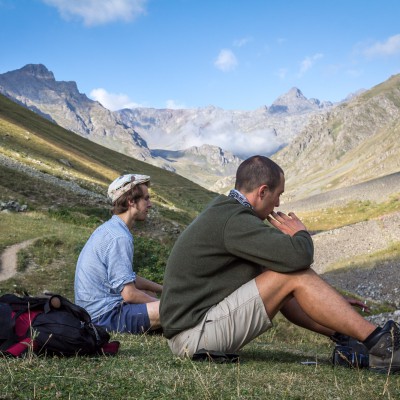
x,y
127,219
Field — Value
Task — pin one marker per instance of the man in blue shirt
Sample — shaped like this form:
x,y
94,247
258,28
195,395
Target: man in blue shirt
x,y
105,283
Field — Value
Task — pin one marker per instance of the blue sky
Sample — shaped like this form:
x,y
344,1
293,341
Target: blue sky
x,y
234,54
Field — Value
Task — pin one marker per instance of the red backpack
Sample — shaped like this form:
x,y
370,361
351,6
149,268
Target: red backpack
x,y
49,325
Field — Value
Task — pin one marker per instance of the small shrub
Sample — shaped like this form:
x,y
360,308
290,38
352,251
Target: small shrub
x,y
22,260
46,250
79,216
150,258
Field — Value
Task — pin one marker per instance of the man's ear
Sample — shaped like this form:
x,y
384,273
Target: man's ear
x,y
262,191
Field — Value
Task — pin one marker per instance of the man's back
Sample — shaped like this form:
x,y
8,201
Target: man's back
x,y
98,287
225,247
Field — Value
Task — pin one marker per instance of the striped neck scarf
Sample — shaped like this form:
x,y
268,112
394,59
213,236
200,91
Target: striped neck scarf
x,y
240,198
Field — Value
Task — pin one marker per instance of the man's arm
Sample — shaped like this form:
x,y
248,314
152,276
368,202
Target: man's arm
x,y
291,224
131,294
145,284
246,236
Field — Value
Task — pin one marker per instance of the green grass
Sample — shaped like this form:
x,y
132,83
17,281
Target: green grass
x,y
270,367
51,258
351,213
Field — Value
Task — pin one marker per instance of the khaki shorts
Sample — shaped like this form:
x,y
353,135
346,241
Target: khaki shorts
x,y
227,326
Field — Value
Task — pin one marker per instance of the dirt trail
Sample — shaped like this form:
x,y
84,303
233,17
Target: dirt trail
x,y
8,264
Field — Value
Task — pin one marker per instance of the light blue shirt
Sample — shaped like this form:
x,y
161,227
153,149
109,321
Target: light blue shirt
x,y
104,267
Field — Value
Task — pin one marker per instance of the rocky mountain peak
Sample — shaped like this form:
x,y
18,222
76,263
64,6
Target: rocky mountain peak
x,y
215,155
38,71
296,93
295,102
36,82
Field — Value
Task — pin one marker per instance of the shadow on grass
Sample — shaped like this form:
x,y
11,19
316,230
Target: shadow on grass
x,y
274,356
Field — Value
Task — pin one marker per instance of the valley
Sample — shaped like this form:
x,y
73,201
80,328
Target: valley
x,y
61,178
344,186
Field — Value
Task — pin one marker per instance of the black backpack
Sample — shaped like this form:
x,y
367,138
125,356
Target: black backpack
x,y
49,325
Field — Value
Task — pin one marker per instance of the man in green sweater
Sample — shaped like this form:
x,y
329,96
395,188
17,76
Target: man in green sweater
x,y
230,273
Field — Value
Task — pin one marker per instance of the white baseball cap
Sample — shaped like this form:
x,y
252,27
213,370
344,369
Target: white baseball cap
x,y
123,183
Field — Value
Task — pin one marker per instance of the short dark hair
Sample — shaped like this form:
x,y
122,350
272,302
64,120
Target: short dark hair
x,y
133,195
257,171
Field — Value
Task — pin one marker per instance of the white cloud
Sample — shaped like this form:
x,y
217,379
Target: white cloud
x,y
97,12
245,144
226,60
215,128
388,48
282,72
220,132
113,101
173,105
308,63
242,42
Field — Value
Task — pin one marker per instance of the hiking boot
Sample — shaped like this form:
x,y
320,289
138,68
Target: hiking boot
x,y
349,352
344,340
384,355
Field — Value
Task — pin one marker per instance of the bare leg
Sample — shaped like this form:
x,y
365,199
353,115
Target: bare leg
x,y
295,314
318,301
154,314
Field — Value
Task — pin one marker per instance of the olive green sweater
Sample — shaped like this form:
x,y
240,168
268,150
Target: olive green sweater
x,y
226,246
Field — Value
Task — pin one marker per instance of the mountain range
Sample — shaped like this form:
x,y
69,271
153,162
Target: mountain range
x,y
205,145
355,142
321,146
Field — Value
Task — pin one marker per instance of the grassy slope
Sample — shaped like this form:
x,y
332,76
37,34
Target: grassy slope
x,y
35,141
357,142
270,367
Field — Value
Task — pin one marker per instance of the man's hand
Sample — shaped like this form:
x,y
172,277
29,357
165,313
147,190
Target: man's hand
x,y
358,303
289,224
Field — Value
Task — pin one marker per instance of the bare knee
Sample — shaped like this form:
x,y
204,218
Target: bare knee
x,y
279,281
276,288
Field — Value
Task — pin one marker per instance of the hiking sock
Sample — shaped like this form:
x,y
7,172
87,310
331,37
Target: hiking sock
x,y
372,339
340,338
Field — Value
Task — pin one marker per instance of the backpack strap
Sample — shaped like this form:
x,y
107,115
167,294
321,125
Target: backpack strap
x,y
19,348
14,328
7,323
22,304
14,324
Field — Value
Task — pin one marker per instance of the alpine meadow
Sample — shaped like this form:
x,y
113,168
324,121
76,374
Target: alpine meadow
x,y
343,180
